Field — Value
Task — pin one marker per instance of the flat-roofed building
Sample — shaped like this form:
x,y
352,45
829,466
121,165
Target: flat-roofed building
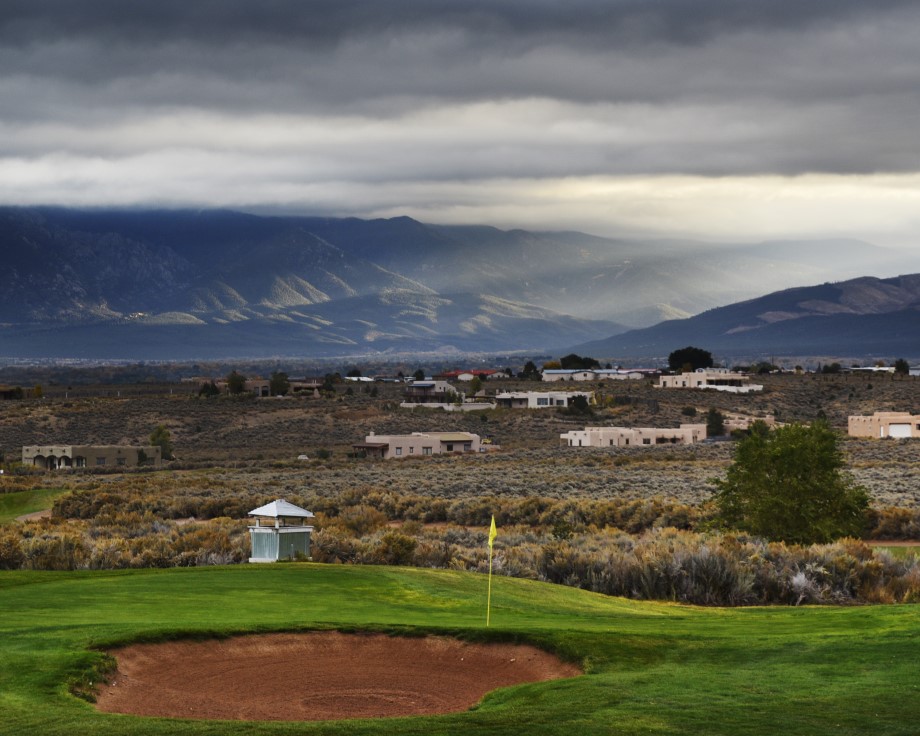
x,y
686,434
420,444
540,399
57,457
883,424
715,379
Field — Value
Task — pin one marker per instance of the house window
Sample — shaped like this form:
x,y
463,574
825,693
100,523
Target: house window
x,y
426,450
450,448
467,446
560,402
100,461
542,402
647,441
120,461
411,450
398,451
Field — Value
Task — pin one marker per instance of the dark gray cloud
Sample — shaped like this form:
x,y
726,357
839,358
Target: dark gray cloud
x,y
353,96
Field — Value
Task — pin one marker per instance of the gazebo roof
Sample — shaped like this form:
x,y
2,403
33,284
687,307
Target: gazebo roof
x,y
279,508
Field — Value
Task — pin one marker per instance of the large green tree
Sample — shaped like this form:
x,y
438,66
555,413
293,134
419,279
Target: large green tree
x,y
575,362
160,437
236,383
279,384
689,359
789,484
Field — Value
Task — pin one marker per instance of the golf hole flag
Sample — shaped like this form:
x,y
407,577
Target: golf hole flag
x,y
492,534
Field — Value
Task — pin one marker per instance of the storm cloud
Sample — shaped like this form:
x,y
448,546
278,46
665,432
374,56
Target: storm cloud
x,y
634,115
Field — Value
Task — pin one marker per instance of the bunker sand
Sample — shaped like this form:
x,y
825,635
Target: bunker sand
x,y
317,676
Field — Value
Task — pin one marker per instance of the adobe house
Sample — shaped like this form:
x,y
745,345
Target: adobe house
x,y
430,392
57,457
279,532
882,424
418,443
687,434
716,379
540,399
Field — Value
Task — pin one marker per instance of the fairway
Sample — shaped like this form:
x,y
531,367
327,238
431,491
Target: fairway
x,y
650,668
20,503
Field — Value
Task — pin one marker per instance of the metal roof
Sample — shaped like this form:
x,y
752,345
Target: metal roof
x,y
453,436
279,508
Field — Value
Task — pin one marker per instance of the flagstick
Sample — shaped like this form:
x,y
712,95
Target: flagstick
x,y
489,598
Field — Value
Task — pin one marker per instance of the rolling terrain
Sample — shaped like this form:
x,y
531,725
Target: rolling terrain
x,y
649,667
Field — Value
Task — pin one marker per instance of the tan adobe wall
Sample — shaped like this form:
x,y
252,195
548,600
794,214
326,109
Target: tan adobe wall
x,y
883,424
56,457
421,444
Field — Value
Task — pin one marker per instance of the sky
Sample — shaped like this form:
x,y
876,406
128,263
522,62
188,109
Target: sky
x,y
724,120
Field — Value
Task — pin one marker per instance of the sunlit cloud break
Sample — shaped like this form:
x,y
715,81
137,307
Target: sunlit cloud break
x,y
738,122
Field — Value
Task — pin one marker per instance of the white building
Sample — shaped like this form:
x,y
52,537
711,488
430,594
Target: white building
x,y
882,424
596,374
389,446
716,379
280,532
686,434
540,399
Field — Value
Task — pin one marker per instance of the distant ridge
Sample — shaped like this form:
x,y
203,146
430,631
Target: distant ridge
x,y
183,284
862,317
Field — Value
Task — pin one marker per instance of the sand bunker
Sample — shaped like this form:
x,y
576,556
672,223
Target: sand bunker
x,y
317,676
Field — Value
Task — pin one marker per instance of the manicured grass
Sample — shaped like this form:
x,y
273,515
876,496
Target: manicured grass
x,y
651,668
900,550
26,502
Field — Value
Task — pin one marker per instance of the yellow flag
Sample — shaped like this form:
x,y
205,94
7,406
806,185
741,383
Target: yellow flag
x,y
492,532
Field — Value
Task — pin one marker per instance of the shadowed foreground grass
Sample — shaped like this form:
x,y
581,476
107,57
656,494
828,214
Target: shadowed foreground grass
x,y
651,668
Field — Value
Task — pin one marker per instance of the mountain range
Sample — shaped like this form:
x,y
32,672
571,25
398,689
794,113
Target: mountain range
x,y
178,284
862,317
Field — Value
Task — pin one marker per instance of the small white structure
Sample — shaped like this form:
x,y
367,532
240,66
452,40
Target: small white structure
x,y
540,399
594,374
389,446
882,424
715,379
280,532
687,434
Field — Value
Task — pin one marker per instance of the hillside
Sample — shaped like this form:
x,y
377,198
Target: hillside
x,y
209,284
862,317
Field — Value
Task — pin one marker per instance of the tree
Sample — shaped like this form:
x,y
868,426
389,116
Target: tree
x,y
715,423
279,384
575,362
901,366
419,375
475,385
789,484
208,389
161,438
530,372
579,406
329,382
236,383
354,373
689,359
